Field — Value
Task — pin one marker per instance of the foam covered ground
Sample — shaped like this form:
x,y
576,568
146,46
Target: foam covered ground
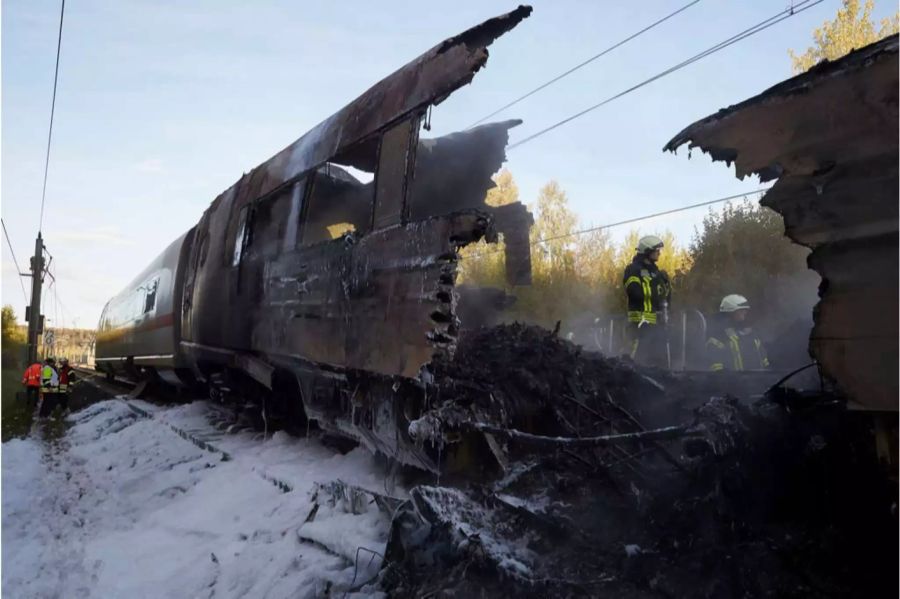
x,y
121,505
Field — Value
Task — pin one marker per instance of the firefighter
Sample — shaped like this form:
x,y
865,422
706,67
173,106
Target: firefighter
x,y
649,293
49,387
66,380
32,381
732,344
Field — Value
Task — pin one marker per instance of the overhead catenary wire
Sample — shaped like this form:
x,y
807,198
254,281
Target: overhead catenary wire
x,y
62,13
759,27
67,315
60,324
16,262
636,219
585,62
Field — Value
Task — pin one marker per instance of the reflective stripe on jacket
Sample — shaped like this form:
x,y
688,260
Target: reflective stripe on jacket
x,y
66,378
647,288
49,379
734,350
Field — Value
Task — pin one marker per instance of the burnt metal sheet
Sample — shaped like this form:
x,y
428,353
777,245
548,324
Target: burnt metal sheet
x,y
829,137
454,172
425,81
383,303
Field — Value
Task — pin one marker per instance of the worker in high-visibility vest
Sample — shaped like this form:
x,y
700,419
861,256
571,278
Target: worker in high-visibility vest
x,y
66,379
32,381
732,344
648,294
49,387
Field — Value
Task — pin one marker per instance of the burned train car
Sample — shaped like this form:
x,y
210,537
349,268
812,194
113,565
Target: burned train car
x,y
323,280
829,138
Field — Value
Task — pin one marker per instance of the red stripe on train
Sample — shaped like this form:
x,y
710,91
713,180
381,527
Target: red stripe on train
x,y
161,321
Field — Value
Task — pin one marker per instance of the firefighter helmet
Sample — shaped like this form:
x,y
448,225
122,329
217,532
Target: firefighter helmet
x,y
649,243
733,303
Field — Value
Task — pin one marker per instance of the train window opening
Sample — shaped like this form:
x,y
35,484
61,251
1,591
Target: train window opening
x,y
396,158
338,203
150,295
274,220
456,171
297,200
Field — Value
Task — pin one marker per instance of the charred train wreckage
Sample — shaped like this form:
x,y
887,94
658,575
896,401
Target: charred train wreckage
x,y
331,295
323,280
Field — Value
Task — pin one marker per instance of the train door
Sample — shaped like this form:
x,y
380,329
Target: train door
x,y
195,262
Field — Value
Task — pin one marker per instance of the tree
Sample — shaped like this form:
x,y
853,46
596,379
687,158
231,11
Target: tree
x,y
483,264
743,250
595,258
851,28
552,233
505,190
13,339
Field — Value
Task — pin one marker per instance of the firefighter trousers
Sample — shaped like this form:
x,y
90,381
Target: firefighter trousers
x,y
648,344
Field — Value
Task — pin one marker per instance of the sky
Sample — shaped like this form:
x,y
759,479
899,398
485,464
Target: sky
x,y
161,106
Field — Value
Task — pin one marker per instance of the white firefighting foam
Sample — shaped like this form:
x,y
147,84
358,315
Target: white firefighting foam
x,y
122,506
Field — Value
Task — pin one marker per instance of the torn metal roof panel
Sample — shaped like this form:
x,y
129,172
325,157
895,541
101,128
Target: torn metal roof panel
x,y
425,81
835,111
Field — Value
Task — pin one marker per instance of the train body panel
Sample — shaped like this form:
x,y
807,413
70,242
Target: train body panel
x,y
140,328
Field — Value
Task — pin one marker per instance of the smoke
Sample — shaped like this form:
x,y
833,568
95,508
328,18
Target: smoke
x,y
785,318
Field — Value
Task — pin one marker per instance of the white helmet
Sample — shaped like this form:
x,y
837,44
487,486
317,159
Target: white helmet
x,y
649,243
733,303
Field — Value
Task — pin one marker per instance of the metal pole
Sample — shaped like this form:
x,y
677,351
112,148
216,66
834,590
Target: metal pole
x,y
611,324
665,315
683,340
33,313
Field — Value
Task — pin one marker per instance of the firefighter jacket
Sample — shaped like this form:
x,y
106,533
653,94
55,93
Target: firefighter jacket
x,y
49,379
647,288
32,376
736,349
66,378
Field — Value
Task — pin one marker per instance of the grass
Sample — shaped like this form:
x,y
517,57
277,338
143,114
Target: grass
x,y
15,419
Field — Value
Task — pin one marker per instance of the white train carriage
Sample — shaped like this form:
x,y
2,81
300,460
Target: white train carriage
x,y
140,328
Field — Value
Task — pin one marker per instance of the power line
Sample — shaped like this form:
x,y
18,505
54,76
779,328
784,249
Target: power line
x,y
66,313
56,308
16,262
636,219
586,62
52,111
763,25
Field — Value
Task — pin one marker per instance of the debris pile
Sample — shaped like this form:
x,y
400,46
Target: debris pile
x,y
607,481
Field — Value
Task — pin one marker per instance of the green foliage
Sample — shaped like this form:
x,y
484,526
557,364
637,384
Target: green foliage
x,y
483,263
742,249
16,416
851,28
505,191
13,339
571,273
